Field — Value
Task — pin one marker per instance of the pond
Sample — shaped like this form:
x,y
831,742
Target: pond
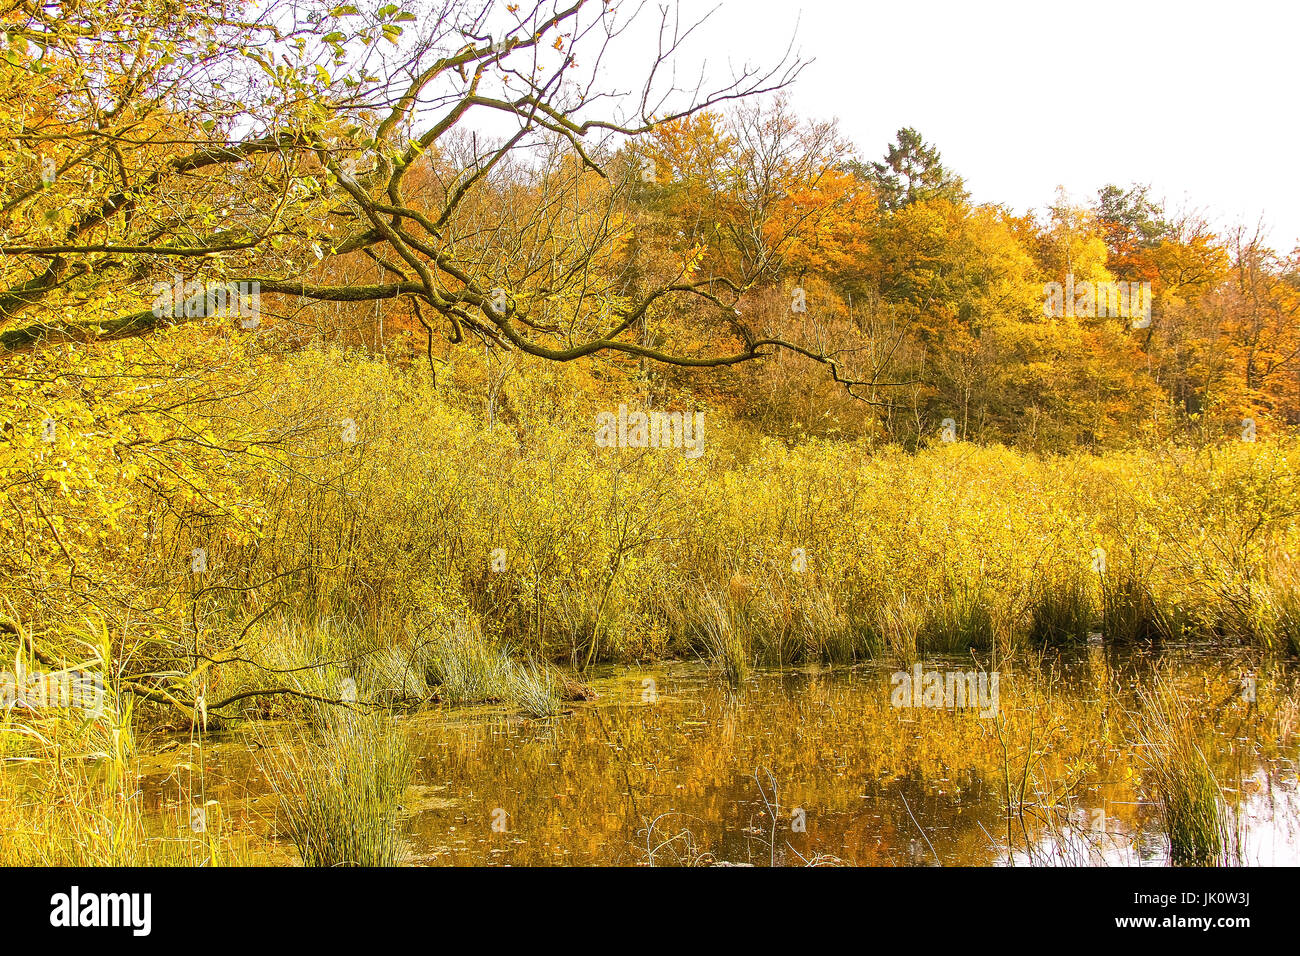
x,y
667,766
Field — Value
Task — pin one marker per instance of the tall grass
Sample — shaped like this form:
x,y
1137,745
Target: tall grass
x,y
69,780
1274,612
340,789
1192,809
1130,612
450,660
70,796
899,624
466,667
1061,613
959,620
723,644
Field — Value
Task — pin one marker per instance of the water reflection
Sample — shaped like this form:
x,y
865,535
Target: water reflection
x,y
814,766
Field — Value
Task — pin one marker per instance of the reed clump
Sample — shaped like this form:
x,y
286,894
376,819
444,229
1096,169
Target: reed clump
x,y
1195,817
340,789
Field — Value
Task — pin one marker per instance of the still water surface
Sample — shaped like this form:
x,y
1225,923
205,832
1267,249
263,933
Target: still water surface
x,y
668,766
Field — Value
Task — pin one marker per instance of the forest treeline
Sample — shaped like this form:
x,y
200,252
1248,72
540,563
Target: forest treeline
x,y
937,306
932,307
722,246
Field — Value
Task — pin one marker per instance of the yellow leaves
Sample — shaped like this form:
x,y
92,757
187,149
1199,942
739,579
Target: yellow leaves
x,y
694,258
59,476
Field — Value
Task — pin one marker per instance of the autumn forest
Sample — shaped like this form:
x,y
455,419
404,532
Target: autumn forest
x,y
410,435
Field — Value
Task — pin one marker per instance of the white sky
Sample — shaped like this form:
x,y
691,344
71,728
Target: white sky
x,y
1195,98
